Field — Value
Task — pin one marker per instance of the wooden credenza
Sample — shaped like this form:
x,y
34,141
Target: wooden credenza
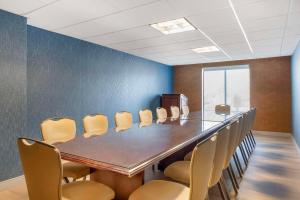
x,y
168,100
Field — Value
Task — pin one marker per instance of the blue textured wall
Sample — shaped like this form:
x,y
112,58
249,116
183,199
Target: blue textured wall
x,y
12,90
71,77
295,76
56,75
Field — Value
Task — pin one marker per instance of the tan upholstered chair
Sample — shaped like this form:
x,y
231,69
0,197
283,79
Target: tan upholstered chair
x,y
233,136
161,113
123,121
56,130
95,125
145,117
180,170
43,173
200,169
222,109
185,110
175,112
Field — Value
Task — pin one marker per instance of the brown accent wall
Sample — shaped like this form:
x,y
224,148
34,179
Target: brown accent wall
x,y
270,90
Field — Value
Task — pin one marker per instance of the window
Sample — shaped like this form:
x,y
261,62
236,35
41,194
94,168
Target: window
x,y
226,85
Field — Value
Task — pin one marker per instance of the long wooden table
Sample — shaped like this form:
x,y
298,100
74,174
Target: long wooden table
x,y
119,159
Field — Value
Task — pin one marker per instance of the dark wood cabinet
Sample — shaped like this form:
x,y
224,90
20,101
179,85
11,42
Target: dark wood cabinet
x,y
168,100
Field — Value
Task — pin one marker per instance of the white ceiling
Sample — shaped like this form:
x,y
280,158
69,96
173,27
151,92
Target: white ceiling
x,y
271,26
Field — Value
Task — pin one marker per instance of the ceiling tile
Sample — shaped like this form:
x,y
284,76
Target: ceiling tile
x,y
138,33
126,4
295,7
292,30
293,19
161,40
20,7
262,9
135,17
265,34
68,12
277,22
210,22
192,7
289,44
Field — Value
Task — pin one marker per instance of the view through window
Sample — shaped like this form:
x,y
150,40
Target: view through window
x,y
226,85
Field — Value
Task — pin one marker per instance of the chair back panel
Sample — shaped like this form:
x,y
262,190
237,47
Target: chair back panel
x,y
123,121
58,130
42,169
222,108
220,155
233,137
161,113
175,112
145,117
201,168
95,124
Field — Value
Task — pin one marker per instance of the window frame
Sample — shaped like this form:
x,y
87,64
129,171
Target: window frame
x,y
225,68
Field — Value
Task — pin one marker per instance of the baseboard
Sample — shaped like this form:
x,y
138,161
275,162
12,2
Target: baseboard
x,y
295,143
269,132
11,182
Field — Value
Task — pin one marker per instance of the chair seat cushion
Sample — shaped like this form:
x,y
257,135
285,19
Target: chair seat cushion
x,y
179,171
75,170
87,190
161,190
188,156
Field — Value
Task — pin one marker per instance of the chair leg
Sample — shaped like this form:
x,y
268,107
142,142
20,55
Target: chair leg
x,y
234,177
221,191
238,164
247,150
66,180
243,154
252,137
232,181
250,143
225,188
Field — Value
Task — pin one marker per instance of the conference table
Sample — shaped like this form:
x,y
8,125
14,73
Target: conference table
x,y
119,159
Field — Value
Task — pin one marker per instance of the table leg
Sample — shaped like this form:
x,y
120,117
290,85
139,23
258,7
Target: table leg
x,y
121,184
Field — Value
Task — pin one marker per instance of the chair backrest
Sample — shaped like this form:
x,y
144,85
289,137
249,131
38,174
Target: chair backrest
x,y
58,130
201,168
123,121
96,124
185,110
220,155
175,112
42,169
222,108
253,115
242,125
245,124
233,137
161,113
145,117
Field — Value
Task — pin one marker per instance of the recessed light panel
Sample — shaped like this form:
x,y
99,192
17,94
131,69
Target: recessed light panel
x,y
206,49
174,26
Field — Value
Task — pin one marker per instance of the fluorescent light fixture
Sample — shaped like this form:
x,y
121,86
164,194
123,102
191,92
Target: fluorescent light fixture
x,y
173,26
206,49
240,24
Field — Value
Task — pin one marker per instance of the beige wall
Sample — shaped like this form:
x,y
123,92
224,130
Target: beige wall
x,y
270,89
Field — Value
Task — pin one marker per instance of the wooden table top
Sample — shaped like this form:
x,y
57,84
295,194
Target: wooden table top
x,y
130,152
